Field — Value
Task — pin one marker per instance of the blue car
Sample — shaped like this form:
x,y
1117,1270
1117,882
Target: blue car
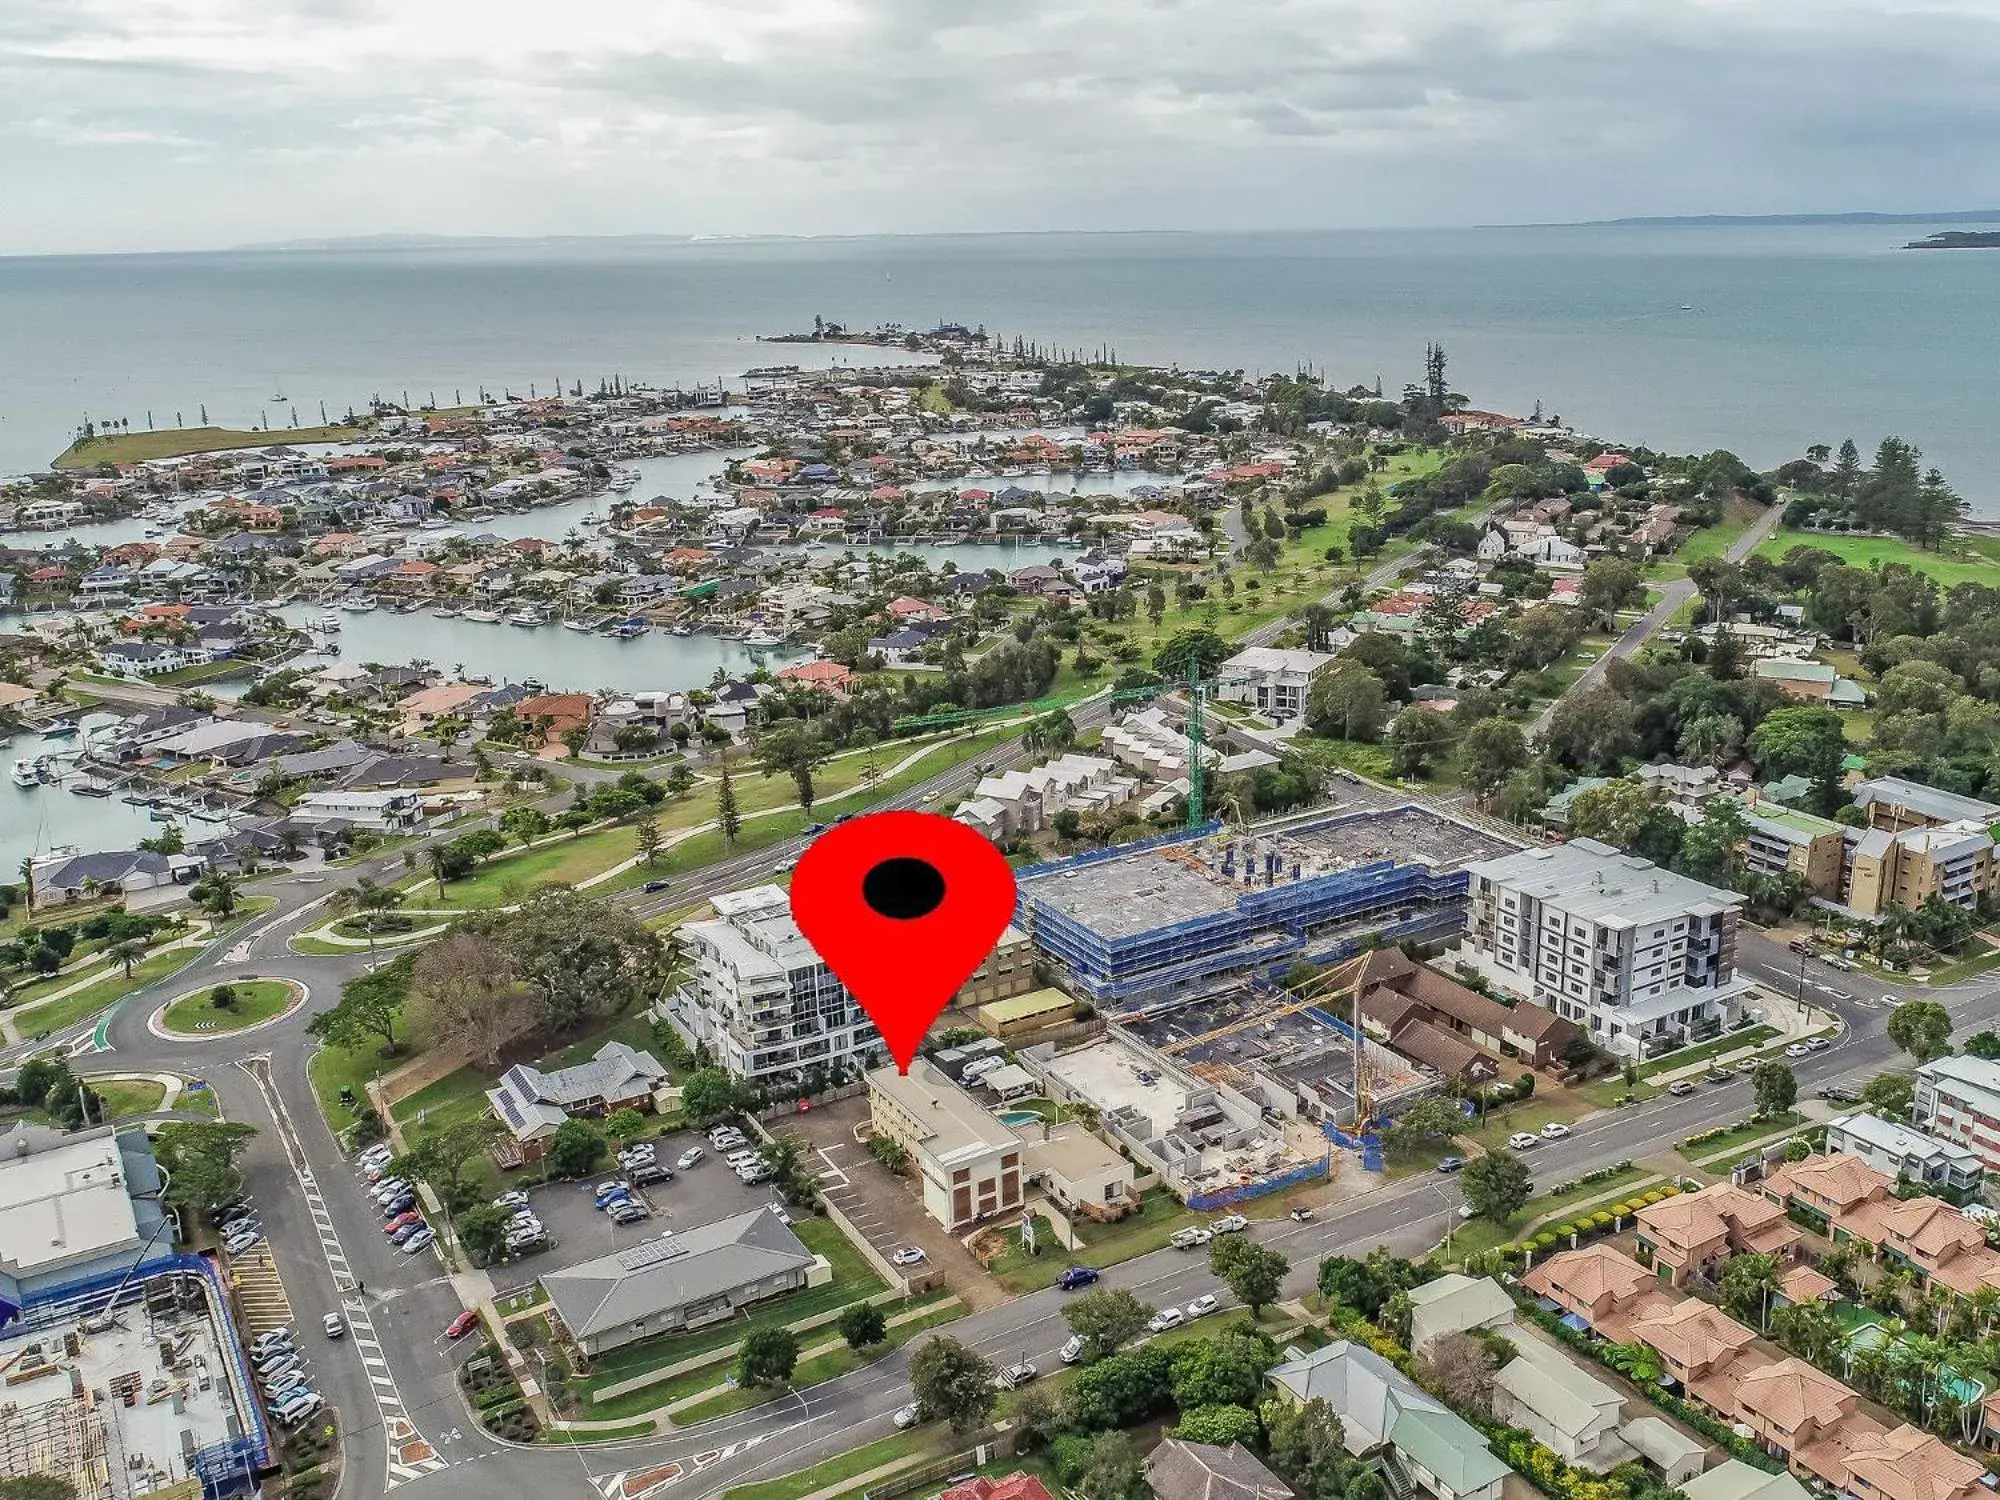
x,y
401,1204
1076,1278
403,1235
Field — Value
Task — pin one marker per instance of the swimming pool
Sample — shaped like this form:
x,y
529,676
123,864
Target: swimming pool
x,y
1019,1117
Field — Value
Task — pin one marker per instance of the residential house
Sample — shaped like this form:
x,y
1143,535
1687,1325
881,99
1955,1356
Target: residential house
x,y
1397,992
968,1162
1178,1470
532,1104
1075,1168
1569,1411
76,876
1275,682
1736,1480
1694,1233
377,811
1018,1486
826,676
1900,1153
1808,681
1457,1304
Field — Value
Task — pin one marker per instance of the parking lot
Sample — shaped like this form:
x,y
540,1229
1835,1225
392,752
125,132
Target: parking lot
x,y
881,1205
704,1193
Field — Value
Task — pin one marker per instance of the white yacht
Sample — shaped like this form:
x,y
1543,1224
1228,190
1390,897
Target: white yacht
x,y
328,622
359,604
482,616
529,616
27,773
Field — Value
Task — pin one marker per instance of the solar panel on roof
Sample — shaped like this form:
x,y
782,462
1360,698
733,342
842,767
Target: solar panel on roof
x,y
651,1253
509,1111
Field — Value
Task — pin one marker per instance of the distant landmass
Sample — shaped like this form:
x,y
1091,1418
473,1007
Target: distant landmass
x,y
1958,239
1725,221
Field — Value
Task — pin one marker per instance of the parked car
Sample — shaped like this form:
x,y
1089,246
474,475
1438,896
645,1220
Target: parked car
x,y
1301,1215
717,1134
408,1232
463,1324
1075,1278
1165,1318
270,1340
1717,1075
908,1416
1191,1238
616,1188
1071,1352
909,1255
652,1172
295,1409
629,1213
388,1188
240,1244
1228,1224
334,1326
1835,1093
280,1391
403,1220
1680,1088
1817,1044
744,1158
1202,1306
401,1204
421,1240
638,1156
754,1174
690,1157
1520,1140
277,1362
1450,1163
369,1156
1555,1130
514,1199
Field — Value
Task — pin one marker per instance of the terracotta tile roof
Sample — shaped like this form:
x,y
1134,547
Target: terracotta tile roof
x,y
1437,1048
1792,1392
1801,1283
1840,1179
1910,1465
1933,1228
1694,1335
1828,1451
1716,1386
1582,1277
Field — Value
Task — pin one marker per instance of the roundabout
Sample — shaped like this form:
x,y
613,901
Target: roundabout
x,y
229,1008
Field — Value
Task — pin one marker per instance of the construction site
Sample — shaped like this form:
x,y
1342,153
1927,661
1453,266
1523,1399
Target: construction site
x,y
140,1393
1144,926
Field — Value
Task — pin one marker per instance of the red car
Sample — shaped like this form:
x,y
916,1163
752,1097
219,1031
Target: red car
x,y
463,1324
402,1219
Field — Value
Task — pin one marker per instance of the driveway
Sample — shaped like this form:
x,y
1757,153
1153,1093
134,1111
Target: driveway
x,y
882,1206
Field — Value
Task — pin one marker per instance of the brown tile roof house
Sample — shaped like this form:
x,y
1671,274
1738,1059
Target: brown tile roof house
x,y
1828,1185
1395,988
1927,1235
1596,1283
1910,1465
1201,1471
1439,1049
1694,1339
1693,1234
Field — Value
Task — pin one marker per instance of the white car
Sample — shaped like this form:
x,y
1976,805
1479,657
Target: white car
x,y
270,1341
334,1326
1555,1130
421,1240
296,1409
908,1416
909,1255
1520,1140
1202,1306
638,1156
1072,1351
1228,1224
1798,1049
375,1156
514,1199
386,1192
689,1157
744,1157
1165,1318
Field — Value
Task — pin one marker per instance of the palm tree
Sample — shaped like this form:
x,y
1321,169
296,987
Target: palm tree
x,y
1060,731
368,898
216,892
1635,1362
1034,737
28,882
129,953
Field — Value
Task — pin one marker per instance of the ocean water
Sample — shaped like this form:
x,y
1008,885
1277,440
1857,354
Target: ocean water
x,y
1757,339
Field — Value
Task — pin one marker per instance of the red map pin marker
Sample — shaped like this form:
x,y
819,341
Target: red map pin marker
x,y
903,906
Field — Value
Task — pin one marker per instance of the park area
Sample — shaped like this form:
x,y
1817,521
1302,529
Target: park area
x,y
233,1006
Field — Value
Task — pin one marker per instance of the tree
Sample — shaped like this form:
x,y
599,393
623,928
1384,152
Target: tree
x,y
1890,1095
711,1094
1921,1028
369,1009
1197,650
1491,751
1305,1447
793,748
200,1162
1106,1318
1425,1123
1112,1470
624,1126
1496,1185
1348,702
1208,1372
1801,740
1250,1270
216,892
1220,1425
767,1356
371,899
727,819
128,953
1156,604
1777,1088
581,956
482,1229
1749,1283
1614,812
1984,1045
575,1148
1123,1389
646,834
863,1325
1592,730
441,1158
1459,1368
1417,737
1609,586
524,824
464,989
36,1487
952,1383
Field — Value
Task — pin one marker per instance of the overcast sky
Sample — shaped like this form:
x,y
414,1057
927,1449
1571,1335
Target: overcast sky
x,y
197,123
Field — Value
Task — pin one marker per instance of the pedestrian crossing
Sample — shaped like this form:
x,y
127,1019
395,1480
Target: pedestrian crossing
x,y
410,1454
636,1484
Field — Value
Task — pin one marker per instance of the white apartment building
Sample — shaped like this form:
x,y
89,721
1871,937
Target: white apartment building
x,y
1634,953
761,999
1896,1151
380,812
1958,1100
967,1160
1271,680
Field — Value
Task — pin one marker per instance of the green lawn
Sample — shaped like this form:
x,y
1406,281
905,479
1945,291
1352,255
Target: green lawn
x,y
172,442
1732,1041
54,1015
1160,1214
330,1068
1476,1236
1710,541
828,1366
256,1000
853,1281
918,1442
125,1097
1738,1136
1968,559
601,1435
